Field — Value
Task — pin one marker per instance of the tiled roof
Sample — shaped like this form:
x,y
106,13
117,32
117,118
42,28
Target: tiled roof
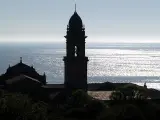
x,y
20,77
54,86
100,95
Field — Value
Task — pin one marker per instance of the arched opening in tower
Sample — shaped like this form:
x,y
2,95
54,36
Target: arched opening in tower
x,y
76,51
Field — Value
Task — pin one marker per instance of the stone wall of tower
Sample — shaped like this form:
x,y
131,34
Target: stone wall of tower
x,y
76,73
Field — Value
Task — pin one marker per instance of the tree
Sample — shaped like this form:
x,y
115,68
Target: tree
x,y
130,92
116,95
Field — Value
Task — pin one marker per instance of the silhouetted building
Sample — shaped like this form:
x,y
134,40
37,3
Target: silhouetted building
x,y
23,83
75,60
16,72
25,79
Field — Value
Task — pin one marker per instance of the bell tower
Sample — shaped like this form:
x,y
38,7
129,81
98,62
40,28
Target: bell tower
x,y
75,61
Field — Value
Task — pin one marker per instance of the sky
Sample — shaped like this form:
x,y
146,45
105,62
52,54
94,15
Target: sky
x,y
104,20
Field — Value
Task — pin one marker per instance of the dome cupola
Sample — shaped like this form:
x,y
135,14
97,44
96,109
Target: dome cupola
x,y
75,21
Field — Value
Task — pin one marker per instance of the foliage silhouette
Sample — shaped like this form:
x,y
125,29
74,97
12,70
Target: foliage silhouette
x,y
76,105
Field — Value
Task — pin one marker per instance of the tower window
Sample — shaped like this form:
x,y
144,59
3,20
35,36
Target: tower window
x,y
75,50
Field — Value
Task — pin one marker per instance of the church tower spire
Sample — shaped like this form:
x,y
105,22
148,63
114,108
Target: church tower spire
x,y
75,60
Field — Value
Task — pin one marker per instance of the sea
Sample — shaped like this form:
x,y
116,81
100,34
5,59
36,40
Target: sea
x,y
108,62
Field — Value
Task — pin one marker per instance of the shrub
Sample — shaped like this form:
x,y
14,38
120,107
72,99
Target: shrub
x,y
127,112
18,106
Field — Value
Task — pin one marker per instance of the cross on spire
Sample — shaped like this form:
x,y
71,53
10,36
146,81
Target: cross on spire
x,y
75,5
